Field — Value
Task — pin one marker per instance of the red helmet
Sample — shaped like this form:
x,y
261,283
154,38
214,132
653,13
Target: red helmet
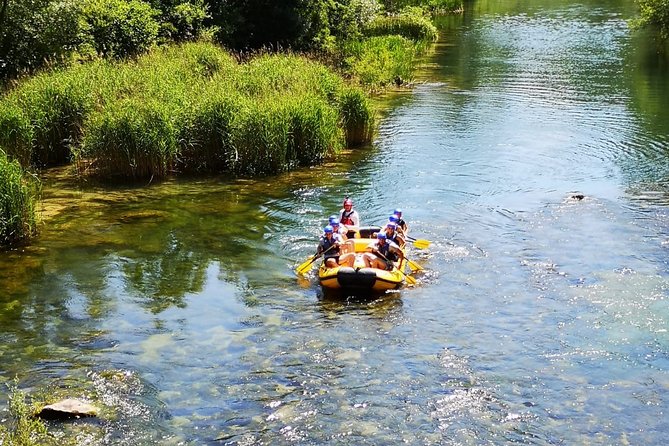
x,y
348,202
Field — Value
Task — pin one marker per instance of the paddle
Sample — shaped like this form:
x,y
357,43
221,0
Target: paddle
x,y
408,278
419,243
413,265
304,267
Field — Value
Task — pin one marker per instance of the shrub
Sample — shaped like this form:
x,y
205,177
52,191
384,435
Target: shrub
x,y
119,28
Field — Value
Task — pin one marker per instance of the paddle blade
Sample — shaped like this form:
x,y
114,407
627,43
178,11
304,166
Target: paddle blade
x,y
306,266
414,266
410,280
421,243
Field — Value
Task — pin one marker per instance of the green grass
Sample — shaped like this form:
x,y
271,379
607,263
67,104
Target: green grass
x,y
186,108
380,61
18,196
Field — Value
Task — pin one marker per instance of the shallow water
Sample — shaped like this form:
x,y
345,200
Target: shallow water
x,y
540,318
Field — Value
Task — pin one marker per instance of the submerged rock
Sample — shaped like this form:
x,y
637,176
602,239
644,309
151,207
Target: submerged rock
x,y
68,408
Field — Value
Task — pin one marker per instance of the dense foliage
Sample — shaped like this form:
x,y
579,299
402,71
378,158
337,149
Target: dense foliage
x,y
655,14
35,33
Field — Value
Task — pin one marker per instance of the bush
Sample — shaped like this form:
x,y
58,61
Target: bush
x,y
18,195
119,28
185,21
654,14
37,33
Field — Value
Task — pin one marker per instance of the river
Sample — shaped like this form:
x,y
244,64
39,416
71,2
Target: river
x,y
541,318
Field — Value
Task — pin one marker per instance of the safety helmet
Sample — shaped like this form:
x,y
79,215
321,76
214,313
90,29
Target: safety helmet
x,y
381,236
398,212
334,222
332,218
392,226
328,229
393,219
348,202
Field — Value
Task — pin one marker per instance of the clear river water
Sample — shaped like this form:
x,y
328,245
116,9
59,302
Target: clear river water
x,y
541,318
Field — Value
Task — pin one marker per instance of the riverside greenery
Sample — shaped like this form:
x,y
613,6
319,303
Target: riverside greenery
x,y
18,196
190,107
194,108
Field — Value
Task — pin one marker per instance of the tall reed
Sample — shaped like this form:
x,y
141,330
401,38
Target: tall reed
x,y
191,108
379,61
16,133
18,196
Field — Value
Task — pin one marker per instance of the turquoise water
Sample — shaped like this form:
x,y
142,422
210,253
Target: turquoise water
x,y
540,318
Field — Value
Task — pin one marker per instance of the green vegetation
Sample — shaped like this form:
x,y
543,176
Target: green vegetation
x,y
18,195
120,104
654,14
190,107
23,428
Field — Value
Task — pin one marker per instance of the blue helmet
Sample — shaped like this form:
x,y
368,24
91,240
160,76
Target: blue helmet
x,y
334,222
398,211
392,226
381,236
328,229
333,218
393,219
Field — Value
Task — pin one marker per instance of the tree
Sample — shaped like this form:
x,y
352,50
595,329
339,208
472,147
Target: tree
x,y
36,32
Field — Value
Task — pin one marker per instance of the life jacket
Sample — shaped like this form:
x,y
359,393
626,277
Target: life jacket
x,y
386,252
326,244
346,218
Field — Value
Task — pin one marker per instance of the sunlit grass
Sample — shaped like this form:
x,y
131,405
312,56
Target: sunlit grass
x,y
190,108
18,196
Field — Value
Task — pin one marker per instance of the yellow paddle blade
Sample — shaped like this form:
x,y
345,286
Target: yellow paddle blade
x,y
306,266
410,280
421,243
414,266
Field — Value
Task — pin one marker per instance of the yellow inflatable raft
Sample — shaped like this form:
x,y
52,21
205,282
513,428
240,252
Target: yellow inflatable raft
x,y
359,279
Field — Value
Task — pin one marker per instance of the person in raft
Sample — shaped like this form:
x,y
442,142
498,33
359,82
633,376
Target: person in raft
x,y
347,245
393,235
381,253
330,247
402,226
349,218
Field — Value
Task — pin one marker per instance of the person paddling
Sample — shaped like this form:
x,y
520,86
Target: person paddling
x,y
402,226
330,246
381,253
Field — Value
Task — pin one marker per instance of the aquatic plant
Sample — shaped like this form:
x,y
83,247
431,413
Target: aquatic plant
x,y
411,23
379,61
358,116
18,196
16,133
23,428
